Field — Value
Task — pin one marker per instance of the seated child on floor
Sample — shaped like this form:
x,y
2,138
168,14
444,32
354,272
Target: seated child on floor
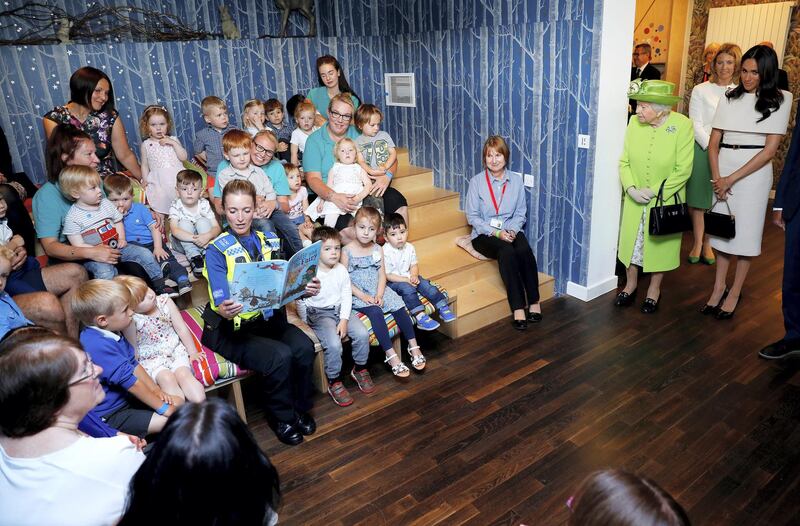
x,y
162,341
402,273
141,229
364,261
192,223
329,315
93,220
345,177
133,403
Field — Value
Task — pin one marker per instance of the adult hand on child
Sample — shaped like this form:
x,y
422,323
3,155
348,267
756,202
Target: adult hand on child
x,y
269,207
413,279
341,329
139,443
160,254
164,397
344,202
103,254
379,185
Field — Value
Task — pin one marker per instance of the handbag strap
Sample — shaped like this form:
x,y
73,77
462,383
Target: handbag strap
x,y
726,205
660,197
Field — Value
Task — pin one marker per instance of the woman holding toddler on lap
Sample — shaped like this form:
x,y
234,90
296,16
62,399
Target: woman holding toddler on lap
x,y
496,209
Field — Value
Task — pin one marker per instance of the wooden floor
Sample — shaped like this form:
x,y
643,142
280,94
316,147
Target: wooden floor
x,y
503,425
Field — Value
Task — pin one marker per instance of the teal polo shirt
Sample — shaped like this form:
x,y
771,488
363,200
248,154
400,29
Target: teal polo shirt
x,y
318,155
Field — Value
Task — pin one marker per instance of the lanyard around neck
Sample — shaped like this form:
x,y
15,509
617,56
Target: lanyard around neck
x,y
491,193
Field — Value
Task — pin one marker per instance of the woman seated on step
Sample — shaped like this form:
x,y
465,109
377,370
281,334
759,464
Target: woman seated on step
x,y
496,209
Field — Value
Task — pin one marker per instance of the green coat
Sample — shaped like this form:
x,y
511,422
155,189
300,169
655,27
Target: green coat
x,y
650,156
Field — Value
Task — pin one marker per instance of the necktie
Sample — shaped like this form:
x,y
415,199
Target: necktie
x,y
638,72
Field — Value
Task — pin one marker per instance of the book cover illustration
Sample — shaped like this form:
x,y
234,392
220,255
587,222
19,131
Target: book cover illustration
x,y
272,284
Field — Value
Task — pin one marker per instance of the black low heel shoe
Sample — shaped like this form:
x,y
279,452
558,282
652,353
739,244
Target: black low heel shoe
x,y
649,306
520,325
725,315
624,299
714,309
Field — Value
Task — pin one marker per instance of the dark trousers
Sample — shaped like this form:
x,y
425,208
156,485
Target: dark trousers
x,y
177,272
791,279
410,294
278,350
517,267
381,331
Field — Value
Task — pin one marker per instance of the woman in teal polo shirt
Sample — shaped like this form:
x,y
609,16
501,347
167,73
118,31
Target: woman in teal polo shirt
x,y
331,82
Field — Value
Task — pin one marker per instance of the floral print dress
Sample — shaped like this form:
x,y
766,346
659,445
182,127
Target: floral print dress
x,y
159,345
98,125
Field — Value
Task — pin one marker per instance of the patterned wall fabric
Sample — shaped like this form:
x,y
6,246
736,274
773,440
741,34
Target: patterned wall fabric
x,y
532,82
791,61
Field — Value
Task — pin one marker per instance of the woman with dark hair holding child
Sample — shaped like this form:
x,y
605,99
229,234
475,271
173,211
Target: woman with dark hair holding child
x,y
50,472
204,447
748,126
496,209
91,109
262,341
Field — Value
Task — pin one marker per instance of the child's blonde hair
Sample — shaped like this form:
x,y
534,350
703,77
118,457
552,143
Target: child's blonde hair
x,y
340,142
148,112
99,297
136,287
212,102
371,214
302,108
250,104
73,179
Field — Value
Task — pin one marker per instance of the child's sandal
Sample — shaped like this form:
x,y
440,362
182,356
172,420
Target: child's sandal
x,y
400,370
417,362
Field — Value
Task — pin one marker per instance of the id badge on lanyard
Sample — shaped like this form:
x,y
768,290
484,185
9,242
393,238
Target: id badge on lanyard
x,y
496,222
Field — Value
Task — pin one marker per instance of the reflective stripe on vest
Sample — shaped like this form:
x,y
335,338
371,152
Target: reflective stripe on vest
x,y
235,253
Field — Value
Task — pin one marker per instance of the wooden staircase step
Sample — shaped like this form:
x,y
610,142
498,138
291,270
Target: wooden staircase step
x,y
446,220
402,157
427,203
451,266
410,177
436,242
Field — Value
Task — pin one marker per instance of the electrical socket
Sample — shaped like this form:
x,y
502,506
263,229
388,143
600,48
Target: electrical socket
x,y
528,178
583,141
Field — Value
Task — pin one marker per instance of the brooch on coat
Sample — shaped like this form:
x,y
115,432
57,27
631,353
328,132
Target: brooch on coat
x,y
671,129
634,87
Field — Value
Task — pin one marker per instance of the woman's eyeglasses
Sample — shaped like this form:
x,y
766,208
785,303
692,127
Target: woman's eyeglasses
x,y
341,116
89,372
261,149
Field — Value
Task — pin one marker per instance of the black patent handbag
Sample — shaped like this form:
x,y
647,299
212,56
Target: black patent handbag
x,y
669,219
720,225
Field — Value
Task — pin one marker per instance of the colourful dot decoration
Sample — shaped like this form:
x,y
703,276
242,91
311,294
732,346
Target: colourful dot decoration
x,y
646,30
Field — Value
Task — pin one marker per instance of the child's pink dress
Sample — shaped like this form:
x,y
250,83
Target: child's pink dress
x,y
164,166
160,347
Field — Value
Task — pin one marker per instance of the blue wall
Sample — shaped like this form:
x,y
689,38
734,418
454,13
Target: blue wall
x,y
523,69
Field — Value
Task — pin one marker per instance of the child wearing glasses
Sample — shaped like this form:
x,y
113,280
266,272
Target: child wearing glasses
x,y
163,342
162,158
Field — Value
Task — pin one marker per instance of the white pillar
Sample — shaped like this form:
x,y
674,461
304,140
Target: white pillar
x,y
616,43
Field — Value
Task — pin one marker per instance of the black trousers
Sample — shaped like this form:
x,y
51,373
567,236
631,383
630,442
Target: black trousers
x,y
275,348
791,279
517,267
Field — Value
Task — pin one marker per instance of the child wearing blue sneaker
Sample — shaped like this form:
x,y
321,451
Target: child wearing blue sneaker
x,y
402,274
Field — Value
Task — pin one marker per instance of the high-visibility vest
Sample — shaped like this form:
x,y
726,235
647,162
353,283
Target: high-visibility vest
x,y
235,253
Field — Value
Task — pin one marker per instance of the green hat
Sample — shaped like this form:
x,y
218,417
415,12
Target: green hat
x,y
656,91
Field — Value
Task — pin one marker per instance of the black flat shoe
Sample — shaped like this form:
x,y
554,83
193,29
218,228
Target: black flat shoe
x,y
714,309
624,299
520,325
305,424
287,434
725,315
780,350
534,317
649,306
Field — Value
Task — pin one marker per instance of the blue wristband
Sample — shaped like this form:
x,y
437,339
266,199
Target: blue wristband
x,y
389,174
163,409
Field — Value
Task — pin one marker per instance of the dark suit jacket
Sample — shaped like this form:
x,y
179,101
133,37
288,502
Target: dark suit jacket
x,y
650,72
787,196
783,80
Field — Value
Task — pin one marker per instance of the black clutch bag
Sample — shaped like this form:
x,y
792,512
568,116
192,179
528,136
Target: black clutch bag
x,y
720,225
669,219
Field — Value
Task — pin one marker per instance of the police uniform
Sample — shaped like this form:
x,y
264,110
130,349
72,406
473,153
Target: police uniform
x,y
262,341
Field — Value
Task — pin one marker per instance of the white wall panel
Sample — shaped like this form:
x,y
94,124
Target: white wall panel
x,y
748,25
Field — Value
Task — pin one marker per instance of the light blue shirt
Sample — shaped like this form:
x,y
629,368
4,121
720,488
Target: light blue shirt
x,y
11,316
512,206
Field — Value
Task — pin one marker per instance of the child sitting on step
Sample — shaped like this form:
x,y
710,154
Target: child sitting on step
x,y
364,261
329,315
402,273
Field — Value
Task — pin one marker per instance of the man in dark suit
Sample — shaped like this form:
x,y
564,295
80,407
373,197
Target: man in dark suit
x,y
642,69
786,215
